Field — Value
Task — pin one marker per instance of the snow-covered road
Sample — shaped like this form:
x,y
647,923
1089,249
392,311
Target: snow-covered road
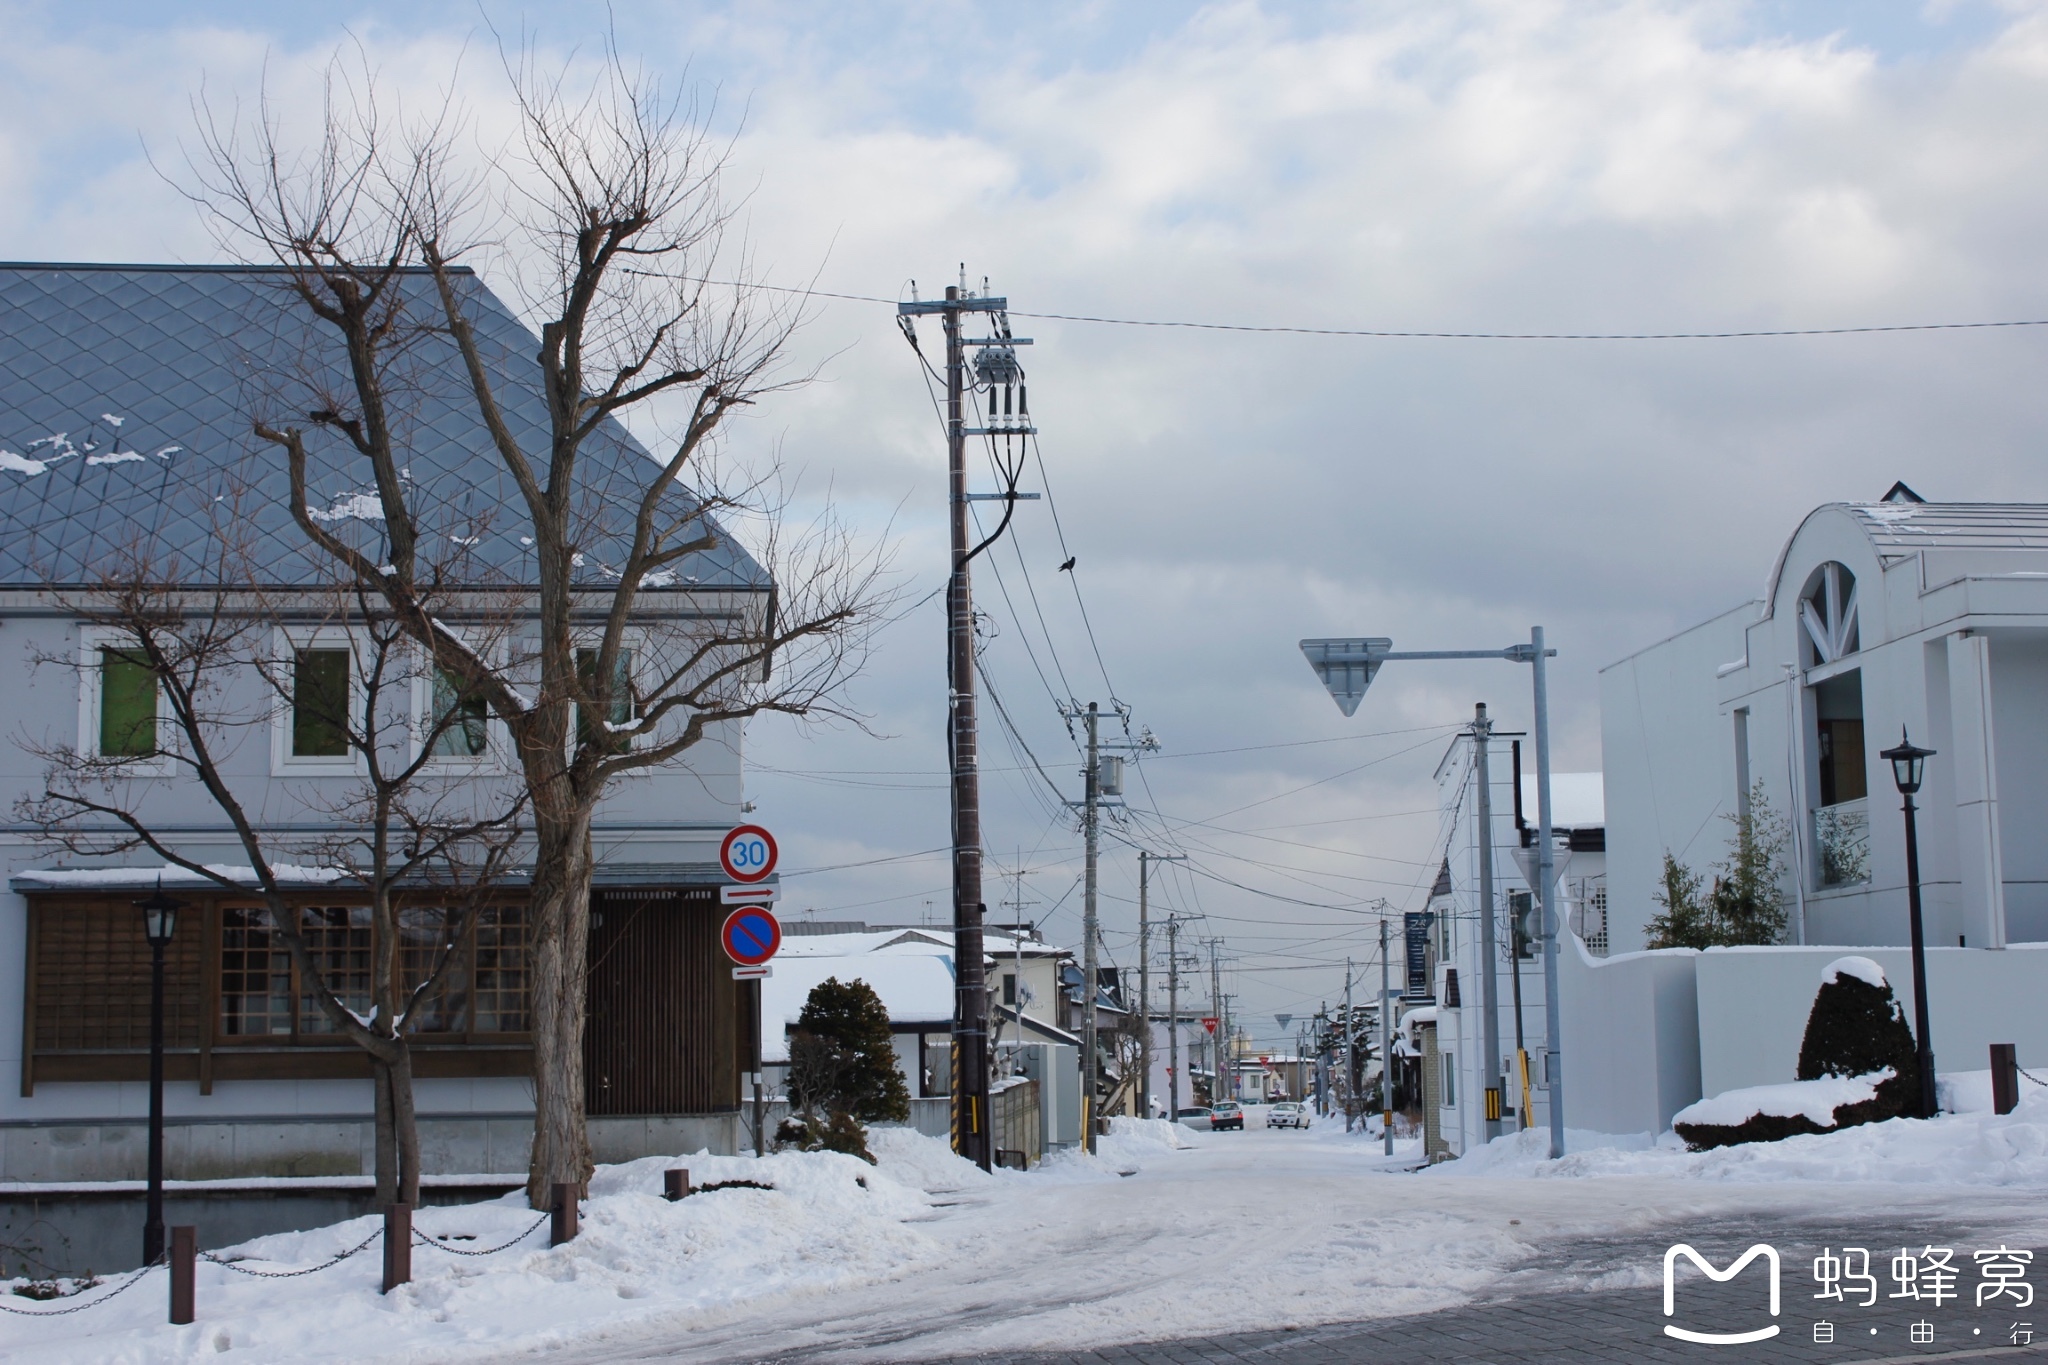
x,y
1254,1229
1166,1234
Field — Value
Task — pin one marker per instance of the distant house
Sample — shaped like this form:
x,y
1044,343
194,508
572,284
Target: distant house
x,y
126,399
1454,965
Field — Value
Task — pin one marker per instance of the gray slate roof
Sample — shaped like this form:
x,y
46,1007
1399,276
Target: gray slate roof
x,y
186,357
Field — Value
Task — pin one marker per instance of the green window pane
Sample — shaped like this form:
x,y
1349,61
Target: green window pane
x,y
620,709
127,706
320,703
465,720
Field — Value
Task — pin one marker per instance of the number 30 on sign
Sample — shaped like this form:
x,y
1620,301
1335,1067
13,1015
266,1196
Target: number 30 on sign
x,y
748,853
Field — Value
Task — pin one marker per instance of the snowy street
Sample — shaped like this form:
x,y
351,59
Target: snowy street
x,y
1167,1236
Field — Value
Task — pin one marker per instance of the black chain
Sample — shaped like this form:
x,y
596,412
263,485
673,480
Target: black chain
x,y
439,1245
2029,1075
290,1274
81,1307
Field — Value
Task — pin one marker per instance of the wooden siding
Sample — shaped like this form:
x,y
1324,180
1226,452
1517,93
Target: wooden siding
x,y
665,1031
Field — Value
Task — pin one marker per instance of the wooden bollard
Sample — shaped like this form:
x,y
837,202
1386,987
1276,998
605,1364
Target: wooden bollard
x,y
675,1184
563,1228
184,1269
2005,1077
397,1246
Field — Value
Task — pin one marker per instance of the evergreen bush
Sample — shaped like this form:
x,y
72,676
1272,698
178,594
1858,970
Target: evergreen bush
x,y
851,1017
1856,1028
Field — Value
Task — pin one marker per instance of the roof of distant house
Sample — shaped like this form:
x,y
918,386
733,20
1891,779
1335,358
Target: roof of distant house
x,y
127,401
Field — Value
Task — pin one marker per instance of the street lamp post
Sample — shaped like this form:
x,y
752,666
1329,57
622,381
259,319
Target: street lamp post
x,y
159,923
1347,668
1909,762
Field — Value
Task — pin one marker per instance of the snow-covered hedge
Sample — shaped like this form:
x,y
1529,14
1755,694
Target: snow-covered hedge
x,y
1767,1113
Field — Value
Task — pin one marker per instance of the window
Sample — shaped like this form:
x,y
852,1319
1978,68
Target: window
x,y
255,976
620,708
461,724
1838,709
127,709
1450,1060
320,687
338,939
1827,615
425,936
1010,988
499,959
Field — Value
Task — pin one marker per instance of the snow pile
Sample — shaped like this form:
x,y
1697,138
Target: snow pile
x,y
1862,968
1973,1148
1817,1100
1130,1145
830,1222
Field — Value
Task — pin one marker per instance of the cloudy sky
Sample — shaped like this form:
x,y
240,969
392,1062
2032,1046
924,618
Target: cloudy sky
x,y
1499,167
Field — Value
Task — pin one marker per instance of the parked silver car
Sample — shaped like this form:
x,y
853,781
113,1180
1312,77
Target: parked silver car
x,y
1194,1118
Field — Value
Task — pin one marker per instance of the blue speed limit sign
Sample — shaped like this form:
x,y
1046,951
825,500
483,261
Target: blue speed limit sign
x,y
748,853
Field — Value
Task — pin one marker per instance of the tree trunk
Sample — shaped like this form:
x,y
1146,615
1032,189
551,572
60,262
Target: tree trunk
x,y
560,938
406,1122
387,1143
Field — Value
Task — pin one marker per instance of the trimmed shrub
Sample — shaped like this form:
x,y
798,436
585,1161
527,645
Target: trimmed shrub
x,y
865,1083
1858,1027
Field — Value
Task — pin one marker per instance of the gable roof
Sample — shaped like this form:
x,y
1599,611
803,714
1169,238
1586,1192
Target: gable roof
x,y
127,396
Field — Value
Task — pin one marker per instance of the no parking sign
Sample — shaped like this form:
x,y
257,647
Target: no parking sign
x,y
751,935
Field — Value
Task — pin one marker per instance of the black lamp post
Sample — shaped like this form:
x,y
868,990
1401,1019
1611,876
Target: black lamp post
x,y
1909,761
159,923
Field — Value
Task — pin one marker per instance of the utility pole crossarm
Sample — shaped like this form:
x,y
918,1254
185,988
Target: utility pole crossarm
x,y
915,307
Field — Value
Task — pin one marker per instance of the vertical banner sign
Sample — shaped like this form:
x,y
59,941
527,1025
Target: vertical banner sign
x,y
1416,925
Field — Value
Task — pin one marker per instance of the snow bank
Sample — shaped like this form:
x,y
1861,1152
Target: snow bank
x,y
830,1222
1816,1100
1976,1148
1129,1145
1862,968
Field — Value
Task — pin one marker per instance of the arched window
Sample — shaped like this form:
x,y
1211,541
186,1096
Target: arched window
x,y
1827,615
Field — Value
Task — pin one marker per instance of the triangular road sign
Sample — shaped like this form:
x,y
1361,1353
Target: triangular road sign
x,y
1347,666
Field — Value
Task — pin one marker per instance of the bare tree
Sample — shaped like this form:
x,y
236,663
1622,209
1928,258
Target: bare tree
x,y
421,854
612,199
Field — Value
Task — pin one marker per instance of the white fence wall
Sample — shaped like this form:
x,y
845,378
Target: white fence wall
x,y
1631,1037
1753,1004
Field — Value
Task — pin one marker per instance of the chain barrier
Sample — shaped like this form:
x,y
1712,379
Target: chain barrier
x,y
291,1274
426,1241
2030,1075
128,1284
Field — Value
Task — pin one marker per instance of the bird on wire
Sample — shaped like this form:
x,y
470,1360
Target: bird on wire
x,y
1069,565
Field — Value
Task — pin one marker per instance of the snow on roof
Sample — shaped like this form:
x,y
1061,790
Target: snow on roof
x,y
1577,800
143,878
859,945
916,988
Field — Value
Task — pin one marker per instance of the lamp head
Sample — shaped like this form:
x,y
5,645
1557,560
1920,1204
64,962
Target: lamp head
x,y
159,916
1909,763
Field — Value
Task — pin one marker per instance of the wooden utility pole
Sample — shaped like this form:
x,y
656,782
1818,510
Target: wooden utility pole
x,y
970,1000
1173,1016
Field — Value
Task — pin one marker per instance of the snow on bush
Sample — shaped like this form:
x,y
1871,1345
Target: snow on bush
x,y
1768,1113
1862,968
830,1221
1979,1148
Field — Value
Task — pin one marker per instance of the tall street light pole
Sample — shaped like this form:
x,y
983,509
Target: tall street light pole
x,y
1347,667
1909,762
159,924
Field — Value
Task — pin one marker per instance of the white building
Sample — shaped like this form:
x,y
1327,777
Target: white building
x,y
1924,618
1456,965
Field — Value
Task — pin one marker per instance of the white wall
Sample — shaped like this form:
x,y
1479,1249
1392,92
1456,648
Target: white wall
x,y
1631,1038
1668,754
1753,1004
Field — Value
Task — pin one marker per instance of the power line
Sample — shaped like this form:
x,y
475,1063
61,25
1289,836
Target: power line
x,y
1392,334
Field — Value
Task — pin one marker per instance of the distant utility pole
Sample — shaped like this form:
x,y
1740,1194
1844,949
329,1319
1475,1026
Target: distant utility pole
x,y
1017,947
1216,1009
1386,1047
1089,828
1350,1051
1145,859
1489,990
1173,1015
970,1059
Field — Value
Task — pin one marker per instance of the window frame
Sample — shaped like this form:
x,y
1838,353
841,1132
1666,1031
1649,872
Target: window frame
x,y
284,657
91,641
630,642
497,754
